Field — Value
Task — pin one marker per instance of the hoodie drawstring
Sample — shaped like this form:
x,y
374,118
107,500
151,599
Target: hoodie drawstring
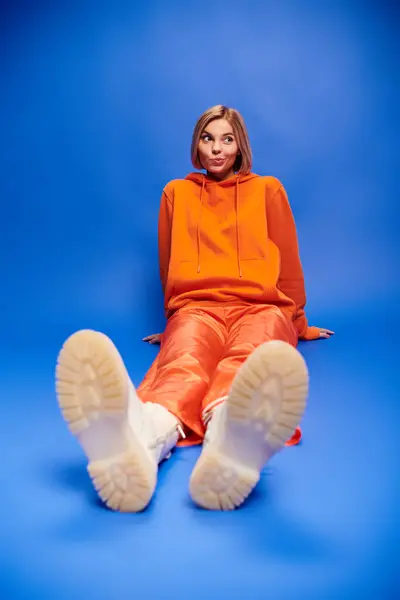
x,y
198,224
237,225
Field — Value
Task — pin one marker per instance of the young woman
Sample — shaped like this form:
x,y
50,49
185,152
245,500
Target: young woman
x,y
228,372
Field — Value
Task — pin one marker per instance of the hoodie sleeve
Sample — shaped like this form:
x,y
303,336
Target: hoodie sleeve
x,y
164,237
282,231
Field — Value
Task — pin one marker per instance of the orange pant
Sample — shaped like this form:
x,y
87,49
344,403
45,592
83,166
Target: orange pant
x,y
203,346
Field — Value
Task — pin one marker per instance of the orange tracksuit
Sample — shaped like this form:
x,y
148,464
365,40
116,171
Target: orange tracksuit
x,y
232,279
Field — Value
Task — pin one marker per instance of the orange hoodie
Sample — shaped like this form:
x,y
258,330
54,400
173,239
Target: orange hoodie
x,y
230,241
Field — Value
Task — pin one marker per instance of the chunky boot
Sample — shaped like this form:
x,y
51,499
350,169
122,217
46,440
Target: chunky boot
x,y
123,438
265,405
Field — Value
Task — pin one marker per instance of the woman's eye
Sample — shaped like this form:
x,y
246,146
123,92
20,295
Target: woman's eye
x,y
229,139
206,138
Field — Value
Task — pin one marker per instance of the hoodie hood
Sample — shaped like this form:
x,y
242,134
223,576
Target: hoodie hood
x,y
203,179
235,181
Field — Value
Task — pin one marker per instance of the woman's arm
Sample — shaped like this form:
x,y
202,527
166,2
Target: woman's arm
x,y
282,231
164,251
164,237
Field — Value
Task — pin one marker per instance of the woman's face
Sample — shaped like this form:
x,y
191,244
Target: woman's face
x,y
218,149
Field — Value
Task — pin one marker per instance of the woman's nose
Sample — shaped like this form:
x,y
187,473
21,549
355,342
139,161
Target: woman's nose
x,y
216,148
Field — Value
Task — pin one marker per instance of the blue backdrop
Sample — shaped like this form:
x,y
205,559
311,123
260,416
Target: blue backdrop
x,y
97,107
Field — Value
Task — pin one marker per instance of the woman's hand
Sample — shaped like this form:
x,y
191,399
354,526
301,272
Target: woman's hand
x,y
325,333
155,338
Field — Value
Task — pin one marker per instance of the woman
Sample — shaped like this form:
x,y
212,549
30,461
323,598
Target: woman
x,y
228,372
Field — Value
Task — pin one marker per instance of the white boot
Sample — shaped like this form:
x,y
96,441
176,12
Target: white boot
x,y
265,405
123,438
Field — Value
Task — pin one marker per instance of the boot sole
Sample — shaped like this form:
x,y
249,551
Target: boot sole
x,y
92,388
265,405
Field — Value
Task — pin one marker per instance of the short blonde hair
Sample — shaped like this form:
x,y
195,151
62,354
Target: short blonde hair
x,y
243,163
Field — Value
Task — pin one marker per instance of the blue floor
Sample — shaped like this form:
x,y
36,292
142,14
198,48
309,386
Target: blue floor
x,y
96,110
322,524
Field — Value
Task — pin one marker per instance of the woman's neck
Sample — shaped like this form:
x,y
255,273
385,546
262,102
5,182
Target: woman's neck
x,y
222,177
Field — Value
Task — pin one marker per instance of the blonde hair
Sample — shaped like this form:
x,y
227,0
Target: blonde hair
x,y
243,162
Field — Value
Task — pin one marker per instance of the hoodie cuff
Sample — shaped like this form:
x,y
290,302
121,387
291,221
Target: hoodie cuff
x,y
312,333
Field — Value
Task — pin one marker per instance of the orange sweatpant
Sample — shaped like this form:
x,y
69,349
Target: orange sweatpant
x,y
202,348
